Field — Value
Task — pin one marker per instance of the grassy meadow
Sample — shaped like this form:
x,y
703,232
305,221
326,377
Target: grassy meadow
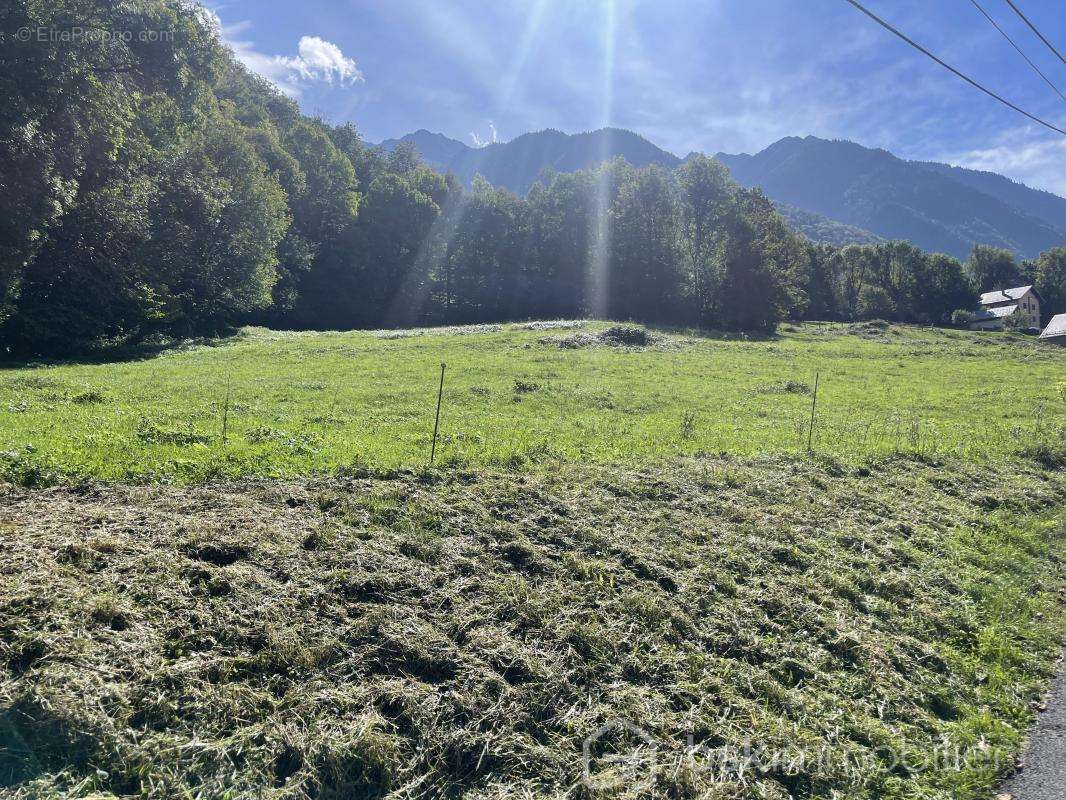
x,y
227,575
277,404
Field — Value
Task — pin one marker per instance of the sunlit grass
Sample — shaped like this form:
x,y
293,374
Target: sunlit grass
x,y
513,398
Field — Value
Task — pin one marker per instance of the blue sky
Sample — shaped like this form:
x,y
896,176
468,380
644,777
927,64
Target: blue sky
x,y
707,75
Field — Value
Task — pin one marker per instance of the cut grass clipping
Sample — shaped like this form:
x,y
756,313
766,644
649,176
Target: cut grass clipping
x,y
527,397
875,631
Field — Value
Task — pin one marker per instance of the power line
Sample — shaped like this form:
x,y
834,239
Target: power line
x,y
947,66
1020,52
1018,11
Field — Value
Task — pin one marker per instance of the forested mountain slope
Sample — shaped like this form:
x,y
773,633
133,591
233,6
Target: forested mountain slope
x,y
820,228
834,192
1046,206
934,207
517,164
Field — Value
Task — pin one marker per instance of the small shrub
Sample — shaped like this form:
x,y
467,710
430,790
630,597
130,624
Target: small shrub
x,y
88,397
796,387
961,318
688,424
1017,323
25,469
525,387
627,336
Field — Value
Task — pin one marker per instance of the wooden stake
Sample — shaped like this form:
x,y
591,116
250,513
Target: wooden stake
x,y
225,412
436,424
814,405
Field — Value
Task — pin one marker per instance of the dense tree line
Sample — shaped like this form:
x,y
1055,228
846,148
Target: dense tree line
x,y
151,186
135,196
993,268
897,281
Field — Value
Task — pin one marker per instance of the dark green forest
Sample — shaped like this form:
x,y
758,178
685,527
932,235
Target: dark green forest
x,y
151,187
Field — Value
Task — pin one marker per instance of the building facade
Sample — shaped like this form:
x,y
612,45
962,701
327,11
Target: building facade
x,y
1021,303
1055,332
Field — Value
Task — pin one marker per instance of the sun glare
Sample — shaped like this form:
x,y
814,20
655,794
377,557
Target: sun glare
x,y
521,56
600,243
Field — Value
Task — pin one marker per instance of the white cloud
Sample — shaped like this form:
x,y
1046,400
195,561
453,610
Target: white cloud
x,y
1040,163
317,60
479,142
320,60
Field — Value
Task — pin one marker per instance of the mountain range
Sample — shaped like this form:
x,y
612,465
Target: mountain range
x,y
517,164
832,191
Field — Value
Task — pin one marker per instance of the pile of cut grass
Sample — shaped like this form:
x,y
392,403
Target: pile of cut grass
x,y
463,634
298,404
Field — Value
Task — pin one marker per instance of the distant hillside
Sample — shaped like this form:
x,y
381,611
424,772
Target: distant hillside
x,y
934,206
819,228
1045,205
830,191
437,149
518,163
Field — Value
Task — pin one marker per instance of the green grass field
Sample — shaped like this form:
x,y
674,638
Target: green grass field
x,y
302,403
235,590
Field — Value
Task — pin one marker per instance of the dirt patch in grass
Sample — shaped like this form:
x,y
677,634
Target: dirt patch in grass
x,y
448,635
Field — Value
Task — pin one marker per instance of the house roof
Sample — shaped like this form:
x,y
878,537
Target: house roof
x,y
1057,327
1001,312
1005,295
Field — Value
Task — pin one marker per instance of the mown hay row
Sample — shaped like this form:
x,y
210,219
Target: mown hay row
x,y
442,635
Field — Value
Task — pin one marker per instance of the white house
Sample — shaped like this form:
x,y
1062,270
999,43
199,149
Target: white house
x,y
1021,302
1055,330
